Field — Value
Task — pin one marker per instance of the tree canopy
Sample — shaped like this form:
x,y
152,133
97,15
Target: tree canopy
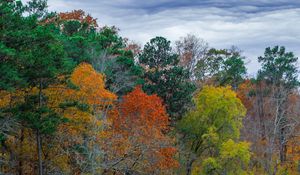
x,y
76,97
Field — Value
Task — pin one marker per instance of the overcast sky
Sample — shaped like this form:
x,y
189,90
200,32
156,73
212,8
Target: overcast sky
x,y
252,25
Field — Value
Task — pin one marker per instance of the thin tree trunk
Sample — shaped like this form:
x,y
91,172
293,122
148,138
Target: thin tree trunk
x,y
282,151
282,134
39,149
261,112
189,165
20,169
38,135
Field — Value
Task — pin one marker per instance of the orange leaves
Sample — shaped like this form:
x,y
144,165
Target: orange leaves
x,y
82,105
138,125
75,15
138,109
5,98
79,15
10,98
91,91
92,86
243,93
167,158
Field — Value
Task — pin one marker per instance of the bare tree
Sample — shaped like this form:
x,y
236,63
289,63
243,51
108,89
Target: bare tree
x,y
191,49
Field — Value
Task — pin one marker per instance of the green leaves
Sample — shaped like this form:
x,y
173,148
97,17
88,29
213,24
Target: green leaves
x,y
216,118
158,54
237,153
122,74
173,87
279,67
43,119
211,166
166,78
233,159
224,67
234,71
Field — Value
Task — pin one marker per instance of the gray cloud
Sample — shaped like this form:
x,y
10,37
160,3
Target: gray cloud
x,y
251,25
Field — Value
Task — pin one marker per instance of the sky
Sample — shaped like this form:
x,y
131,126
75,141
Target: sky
x,y
252,25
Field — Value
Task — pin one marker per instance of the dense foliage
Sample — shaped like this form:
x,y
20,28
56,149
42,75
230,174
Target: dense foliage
x,y
77,98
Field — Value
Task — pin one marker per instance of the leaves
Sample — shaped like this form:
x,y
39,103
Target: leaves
x,y
166,78
76,98
138,127
233,159
217,117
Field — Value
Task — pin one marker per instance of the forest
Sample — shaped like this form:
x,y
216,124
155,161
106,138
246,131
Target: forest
x,y
77,98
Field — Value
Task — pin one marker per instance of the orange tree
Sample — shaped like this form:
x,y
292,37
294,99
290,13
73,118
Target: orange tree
x,y
138,141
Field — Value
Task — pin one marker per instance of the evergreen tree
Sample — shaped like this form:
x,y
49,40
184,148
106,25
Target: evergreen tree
x,y
32,54
165,77
279,70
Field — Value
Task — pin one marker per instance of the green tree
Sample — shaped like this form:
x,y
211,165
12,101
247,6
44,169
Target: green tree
x,y
116,61
164,77
211,64
223,67
233,159
217,117
10,23
279,71
78,33
32,54
43,60
157,54
234,71
103,47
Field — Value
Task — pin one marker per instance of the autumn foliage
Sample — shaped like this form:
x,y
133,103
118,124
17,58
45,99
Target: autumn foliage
x,y
76,98
91,85
75,15
139,126
79,15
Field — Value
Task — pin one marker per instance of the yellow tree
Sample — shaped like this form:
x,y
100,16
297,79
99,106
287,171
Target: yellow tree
x,y
85,106
217,117
83,103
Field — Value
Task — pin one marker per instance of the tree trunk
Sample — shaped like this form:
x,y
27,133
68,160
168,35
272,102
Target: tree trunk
x,y
39,149
20,168
38,134
189,165
282,151
282,125
260,103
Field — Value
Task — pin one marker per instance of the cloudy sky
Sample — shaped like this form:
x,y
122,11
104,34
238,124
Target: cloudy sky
x,y
251,25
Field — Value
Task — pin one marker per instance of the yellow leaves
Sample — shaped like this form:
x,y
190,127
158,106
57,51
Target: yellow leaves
x,y
91,91
78,120
216,106
62,161
293,156
233,159
83,108
239,151
5,98
215,96
10,98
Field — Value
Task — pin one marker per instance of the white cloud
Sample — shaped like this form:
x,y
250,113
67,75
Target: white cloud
x,y
252,25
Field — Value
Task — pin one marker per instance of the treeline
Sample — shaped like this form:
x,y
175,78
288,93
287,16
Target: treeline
x,y
77,98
